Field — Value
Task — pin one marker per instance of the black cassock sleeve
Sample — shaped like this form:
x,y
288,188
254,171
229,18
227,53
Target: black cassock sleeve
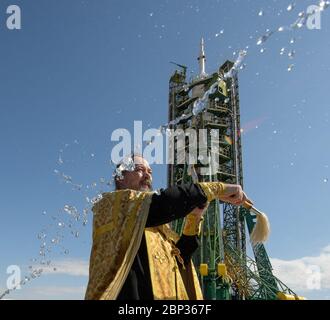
x,y
174,203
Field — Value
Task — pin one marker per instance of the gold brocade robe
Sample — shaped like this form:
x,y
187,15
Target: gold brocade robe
x,y
170,280
119,222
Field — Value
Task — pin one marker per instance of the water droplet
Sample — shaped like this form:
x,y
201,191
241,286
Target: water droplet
x,y
262,50
282,51
41,235
261,13
61,224
325,180
290,67
92,155
66,251
291,7
220,33
151,14
66,178
71,210
275,132
77,186
96,199
292,40
76,234
324,4
264,38
291,54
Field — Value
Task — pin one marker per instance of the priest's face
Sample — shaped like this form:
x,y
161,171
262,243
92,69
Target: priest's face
x,y
140,179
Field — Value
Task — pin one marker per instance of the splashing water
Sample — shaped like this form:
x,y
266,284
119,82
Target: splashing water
x,y
298,24
127,164
324,5
201,104
237,64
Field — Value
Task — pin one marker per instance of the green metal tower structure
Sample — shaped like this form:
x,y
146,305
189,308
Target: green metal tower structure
x,y
226,272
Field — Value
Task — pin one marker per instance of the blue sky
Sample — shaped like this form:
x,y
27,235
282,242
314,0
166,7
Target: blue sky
x,y
78,70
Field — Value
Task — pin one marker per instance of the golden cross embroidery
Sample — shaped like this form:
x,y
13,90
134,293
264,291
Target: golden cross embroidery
x,y
161,257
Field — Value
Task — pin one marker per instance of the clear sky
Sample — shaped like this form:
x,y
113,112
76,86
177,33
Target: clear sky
x,y
77,70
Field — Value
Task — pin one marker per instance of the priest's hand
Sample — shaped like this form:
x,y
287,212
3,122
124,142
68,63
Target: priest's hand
x,y
234,194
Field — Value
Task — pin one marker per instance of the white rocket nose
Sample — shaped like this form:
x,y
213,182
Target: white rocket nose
x,y
201,59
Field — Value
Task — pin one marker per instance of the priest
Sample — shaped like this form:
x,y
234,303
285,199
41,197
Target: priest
x,y
135,254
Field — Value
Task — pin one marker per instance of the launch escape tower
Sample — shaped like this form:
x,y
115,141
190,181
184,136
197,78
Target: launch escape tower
x,y
225,270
